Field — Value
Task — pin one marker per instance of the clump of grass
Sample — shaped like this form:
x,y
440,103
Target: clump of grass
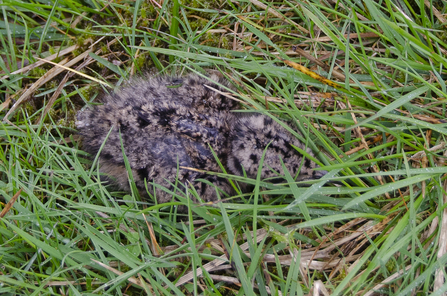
x,y
375,118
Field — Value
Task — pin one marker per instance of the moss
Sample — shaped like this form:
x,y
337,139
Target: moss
x,y
52,113
89,90
142,60
51,84
225,42
51,50
61,122
87,34
38,72
71,121
100,65
29,108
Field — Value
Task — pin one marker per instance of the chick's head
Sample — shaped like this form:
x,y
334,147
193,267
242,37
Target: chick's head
x,y
256,134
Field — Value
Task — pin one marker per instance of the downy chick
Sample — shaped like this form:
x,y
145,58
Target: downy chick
x,y
168,123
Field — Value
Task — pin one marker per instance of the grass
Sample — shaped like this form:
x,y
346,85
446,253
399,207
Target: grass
x,y
375,119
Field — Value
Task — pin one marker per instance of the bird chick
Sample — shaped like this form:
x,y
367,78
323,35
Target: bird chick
x,y
169,124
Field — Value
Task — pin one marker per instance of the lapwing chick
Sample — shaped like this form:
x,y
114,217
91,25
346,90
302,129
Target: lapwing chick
x,y
166,125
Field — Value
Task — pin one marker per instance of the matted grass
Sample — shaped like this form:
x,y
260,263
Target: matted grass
x,y
375,119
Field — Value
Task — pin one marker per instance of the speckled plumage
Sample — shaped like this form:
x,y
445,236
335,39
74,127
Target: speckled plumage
x,y
166,123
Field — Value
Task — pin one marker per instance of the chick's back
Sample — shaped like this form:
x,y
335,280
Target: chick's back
x,y
164,123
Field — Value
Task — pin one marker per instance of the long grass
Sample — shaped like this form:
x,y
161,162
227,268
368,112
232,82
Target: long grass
x,y
369,100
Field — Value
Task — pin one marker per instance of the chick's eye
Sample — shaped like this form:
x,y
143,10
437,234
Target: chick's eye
x,y
277,180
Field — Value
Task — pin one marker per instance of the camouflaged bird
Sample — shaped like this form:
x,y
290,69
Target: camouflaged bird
x,y
168,124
